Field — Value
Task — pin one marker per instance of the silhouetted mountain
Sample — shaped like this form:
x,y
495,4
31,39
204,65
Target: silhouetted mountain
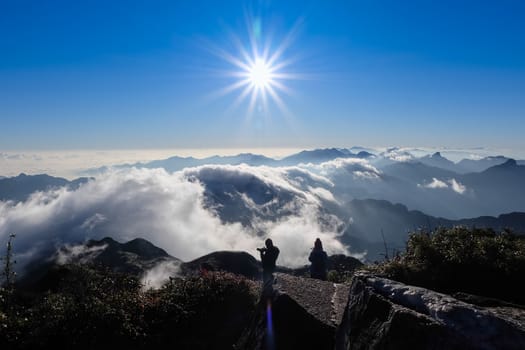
x,y
501,186
365,155
20,187
134,257
312,156
417,172
371,220
438,161
176,163
465,165
478,165
246,158
179,163
171,164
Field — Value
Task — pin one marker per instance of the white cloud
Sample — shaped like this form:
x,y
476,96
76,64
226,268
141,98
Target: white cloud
x,y
322,193
169,210
155,277
93,221
398,154
453,184
78,253
359,168
457,187
436,184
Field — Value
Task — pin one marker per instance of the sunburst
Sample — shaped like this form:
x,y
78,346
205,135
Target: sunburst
x,y
260,72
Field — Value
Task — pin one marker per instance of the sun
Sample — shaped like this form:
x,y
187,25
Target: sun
x,y
259,69
260,74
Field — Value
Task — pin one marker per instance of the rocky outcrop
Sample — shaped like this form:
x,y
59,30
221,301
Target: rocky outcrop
x,y
296,313
376,313
240,263
384,314
134,258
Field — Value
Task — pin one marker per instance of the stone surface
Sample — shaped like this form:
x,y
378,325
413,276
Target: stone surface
x,y
305,314
384,314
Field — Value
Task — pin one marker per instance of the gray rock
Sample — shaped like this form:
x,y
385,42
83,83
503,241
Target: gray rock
x,y
384,314
304,314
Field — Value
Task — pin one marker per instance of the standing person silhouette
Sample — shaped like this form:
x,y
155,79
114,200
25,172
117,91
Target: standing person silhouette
x,y
269,256
319,261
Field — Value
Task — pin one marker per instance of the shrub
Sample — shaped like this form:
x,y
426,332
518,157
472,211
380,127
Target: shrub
x,y
200,312
93,307
90,307
476,261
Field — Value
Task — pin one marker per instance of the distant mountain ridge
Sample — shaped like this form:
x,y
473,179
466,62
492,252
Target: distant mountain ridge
x,y
177,163
315,156
20,187
464,166
371,220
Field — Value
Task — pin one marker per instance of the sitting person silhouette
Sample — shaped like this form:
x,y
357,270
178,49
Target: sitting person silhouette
x,y
269,256
319,261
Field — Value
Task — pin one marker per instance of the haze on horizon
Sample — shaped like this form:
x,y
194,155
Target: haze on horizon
x,y
145,75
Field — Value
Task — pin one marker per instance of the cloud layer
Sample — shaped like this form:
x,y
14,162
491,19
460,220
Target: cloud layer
x,y
171,211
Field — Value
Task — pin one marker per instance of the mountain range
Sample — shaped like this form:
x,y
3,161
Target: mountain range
x,y
374,223
349,193
20,187
152,264
318,156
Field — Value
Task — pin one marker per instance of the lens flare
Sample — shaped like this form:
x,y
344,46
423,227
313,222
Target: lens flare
x,y
270,341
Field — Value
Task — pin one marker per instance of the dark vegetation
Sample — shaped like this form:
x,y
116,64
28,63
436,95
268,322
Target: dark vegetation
x,y
91,307
461,260
88,306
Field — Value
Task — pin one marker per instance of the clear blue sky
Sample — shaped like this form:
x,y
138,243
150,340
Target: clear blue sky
x,y
140,74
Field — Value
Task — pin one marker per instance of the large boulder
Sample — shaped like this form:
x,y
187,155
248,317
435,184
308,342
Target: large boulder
x,y
296,313
384,314
239,263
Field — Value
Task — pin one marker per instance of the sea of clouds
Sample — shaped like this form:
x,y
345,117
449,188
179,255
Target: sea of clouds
x,y
198,210
169,209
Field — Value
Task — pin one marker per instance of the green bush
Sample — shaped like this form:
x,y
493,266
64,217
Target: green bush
x,y
200,312
88,307
475,261
92,307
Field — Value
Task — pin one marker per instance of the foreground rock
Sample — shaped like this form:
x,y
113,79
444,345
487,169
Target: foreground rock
x,y
383,314
239,263
296,313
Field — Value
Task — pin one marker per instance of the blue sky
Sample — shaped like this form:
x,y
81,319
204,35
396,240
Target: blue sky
x,y
143,74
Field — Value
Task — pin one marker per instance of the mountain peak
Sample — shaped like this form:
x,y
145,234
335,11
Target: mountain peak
x,y
509,164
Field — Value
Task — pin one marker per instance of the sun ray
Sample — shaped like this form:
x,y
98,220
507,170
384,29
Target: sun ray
x,y
290,37
281,87
253,100
260,68
239,99
278,101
